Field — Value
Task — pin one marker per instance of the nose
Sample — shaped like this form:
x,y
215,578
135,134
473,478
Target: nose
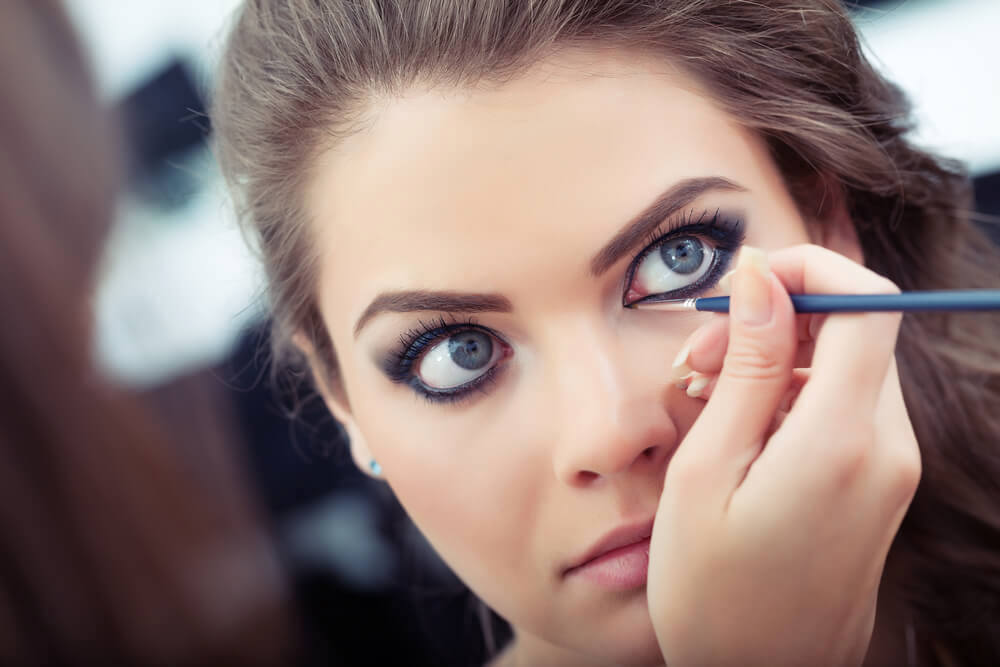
x,y
612,414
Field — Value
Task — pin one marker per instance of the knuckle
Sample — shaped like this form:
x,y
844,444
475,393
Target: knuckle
x,y
878,284
905,472
882,285
813,253
751,360
814,249
853,453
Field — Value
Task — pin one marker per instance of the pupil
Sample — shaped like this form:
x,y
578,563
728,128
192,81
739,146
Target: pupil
x,y
683,255
471,350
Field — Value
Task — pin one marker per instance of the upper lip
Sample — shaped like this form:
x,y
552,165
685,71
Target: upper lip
x,y
619,537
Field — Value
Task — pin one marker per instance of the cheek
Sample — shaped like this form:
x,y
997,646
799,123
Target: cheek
x,y
472,484
478,478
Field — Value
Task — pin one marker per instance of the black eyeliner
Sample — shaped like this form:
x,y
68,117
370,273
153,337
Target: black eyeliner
x,y
398,364
726,232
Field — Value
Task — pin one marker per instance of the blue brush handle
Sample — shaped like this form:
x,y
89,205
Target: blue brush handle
x,y
982,299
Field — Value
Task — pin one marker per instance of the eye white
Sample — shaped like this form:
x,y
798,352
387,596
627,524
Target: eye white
x,y
654,276
439,370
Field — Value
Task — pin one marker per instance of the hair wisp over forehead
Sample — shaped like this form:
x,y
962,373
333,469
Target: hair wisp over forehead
x,y
297,76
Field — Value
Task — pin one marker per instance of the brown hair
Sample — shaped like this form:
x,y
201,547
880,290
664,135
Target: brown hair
x,y
116,547
299,74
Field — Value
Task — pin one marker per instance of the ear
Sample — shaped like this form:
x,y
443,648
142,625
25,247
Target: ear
x,y
830,224
335,398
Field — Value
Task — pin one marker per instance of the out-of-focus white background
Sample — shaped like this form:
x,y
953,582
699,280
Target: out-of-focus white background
x,y
179,286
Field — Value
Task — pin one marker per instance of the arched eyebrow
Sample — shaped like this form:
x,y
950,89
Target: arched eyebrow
x,y
632,234
638,230
408,301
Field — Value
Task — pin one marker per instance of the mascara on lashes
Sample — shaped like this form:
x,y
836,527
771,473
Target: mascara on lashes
x,y
398,364
726,232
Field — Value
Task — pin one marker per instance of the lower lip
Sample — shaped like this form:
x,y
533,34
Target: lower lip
x,y
622,569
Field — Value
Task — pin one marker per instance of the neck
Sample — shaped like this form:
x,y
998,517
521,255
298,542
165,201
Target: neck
x,y
527,650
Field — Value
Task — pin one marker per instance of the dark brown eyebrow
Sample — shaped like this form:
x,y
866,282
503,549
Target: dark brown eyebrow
x,y
421,300
675,198
638,230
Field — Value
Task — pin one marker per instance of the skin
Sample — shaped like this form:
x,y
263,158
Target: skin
x,y
511,190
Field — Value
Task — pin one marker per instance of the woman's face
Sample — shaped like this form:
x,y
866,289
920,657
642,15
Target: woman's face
x,y
476,246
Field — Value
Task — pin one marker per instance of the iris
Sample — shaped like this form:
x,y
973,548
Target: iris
x,y
471,350
683,255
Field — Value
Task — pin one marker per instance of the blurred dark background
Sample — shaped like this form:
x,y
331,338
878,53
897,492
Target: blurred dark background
x,y
180,304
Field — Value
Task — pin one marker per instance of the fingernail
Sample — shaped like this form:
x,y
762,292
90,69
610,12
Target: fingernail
x,y
680,367
751,300
682,384
726,282
698,385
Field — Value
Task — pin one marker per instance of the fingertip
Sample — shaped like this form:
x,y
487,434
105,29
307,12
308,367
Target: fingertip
x,y
680,369
752,301
783,319
697,385
701,385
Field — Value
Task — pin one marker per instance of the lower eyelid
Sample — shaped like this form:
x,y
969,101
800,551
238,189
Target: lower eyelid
x,y
474,386
723,254
479,386
497,354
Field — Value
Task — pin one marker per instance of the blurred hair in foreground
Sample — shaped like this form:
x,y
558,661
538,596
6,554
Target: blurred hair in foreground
x,y
120,542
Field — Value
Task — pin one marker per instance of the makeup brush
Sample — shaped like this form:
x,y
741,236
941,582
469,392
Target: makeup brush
x,y
973,299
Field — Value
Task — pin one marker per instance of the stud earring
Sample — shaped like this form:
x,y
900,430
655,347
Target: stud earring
x,y
375,468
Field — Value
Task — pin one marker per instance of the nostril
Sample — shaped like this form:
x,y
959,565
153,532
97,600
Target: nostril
x,y
649,452
586,476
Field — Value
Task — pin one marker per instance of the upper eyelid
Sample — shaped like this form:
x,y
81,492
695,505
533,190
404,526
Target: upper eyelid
x,y
678,223
392,364
732,225
667,228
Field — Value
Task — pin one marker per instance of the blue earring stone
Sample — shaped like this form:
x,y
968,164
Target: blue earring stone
x,y
375,467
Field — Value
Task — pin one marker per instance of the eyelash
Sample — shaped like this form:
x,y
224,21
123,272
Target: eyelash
x,y
398,366
727,234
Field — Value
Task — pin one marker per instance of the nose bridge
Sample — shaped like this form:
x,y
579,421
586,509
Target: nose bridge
x,y
606,418
589,368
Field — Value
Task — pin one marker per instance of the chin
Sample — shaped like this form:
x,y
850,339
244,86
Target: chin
x,y
642,651
625,639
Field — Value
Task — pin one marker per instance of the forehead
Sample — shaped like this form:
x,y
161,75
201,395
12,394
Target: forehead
x,y
495,187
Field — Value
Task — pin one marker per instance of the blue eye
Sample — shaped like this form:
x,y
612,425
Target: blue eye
x,y
446,362
677,263
458,360
684,261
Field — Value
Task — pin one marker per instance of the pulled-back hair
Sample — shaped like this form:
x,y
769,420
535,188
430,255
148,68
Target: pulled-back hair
x,y
298,75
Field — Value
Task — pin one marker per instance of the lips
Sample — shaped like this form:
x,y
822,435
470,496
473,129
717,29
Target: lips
x,y
634,534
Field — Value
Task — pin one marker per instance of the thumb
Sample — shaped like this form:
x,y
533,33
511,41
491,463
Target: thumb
x,y
756,372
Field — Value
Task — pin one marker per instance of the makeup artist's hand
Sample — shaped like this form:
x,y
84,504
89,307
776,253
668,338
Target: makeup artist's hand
x,y
772,533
